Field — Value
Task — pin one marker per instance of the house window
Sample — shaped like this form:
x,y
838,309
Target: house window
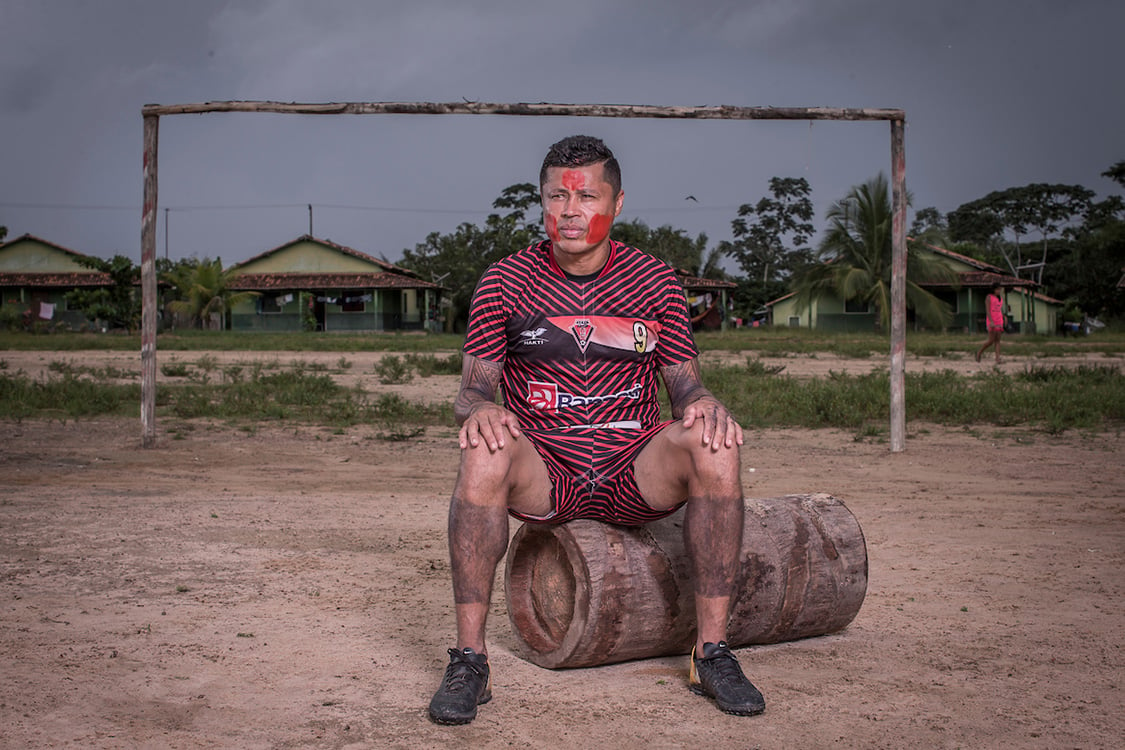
x,y
794,321
268,304
354,300
857,306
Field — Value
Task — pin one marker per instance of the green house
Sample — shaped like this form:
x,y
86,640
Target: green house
x,y
316,284
35,276
1031,311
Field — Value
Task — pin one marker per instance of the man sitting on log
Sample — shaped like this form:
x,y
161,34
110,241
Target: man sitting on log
x,y
574,330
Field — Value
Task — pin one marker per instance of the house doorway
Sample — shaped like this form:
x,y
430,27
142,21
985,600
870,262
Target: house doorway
x,y
317,303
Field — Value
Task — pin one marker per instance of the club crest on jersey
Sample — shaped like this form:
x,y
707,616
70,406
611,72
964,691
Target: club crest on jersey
x,y
582,329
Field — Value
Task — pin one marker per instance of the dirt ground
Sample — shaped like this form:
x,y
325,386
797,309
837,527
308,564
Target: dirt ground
x,y
288,587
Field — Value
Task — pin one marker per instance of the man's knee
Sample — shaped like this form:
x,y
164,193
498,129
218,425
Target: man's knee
x,y
695,463
482,473
704,457
508,476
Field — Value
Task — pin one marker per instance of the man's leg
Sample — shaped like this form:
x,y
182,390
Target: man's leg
x,y
488,482
677,465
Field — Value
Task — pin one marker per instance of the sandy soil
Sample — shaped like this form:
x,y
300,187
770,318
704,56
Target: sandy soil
x,y
286,587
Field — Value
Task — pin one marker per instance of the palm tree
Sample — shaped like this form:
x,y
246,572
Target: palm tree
x,y
204,289
856,259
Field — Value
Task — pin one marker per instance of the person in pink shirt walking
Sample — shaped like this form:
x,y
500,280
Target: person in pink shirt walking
x,y
994,321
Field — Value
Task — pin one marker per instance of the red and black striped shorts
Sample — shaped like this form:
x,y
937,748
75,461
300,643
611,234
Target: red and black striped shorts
x,y
591,473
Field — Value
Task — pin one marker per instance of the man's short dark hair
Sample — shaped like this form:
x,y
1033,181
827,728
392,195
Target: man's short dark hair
x,y
582,151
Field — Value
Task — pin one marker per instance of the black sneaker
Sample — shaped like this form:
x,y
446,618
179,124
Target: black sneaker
x,y
466,685
717,675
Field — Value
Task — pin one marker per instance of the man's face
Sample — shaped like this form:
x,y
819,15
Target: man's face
x,y
579,207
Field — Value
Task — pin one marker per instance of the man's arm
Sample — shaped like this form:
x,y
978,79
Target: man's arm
x,y
480,379
692,401
475,407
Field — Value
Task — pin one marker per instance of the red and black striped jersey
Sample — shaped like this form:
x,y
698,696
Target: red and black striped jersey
x,y
580,352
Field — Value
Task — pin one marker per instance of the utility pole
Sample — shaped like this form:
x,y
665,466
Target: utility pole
x,y
310,220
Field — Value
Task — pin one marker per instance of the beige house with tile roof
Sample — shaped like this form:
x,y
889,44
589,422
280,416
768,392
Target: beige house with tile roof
x,y
35,276
1031,311
315,284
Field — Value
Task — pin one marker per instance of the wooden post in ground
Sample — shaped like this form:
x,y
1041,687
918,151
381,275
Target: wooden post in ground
x,y
898,287
148,285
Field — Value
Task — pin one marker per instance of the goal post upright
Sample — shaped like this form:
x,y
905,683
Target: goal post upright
x,y
148,284
152,113
898,286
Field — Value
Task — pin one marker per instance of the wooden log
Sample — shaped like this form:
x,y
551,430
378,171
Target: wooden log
x,y
587,593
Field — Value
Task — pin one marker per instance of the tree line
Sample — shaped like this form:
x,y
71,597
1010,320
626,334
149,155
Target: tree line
x,y
1059,236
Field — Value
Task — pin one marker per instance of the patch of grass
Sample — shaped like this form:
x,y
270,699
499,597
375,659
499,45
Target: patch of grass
x,y
108,372
393,370
64,396
781,341
207,363
870,432
1050,399
427,365
756,368
174,370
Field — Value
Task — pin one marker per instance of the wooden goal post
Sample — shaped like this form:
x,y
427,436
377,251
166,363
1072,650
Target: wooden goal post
x,y
897,118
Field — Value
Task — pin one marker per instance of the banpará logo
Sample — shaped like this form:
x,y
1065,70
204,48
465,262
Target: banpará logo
x,y
548,397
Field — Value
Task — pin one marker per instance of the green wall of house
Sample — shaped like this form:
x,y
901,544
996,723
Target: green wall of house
x,y
387,310
25,255
824,314
24,298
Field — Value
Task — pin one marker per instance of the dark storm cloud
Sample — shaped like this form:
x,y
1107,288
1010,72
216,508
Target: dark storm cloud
x,y
997,94
22,88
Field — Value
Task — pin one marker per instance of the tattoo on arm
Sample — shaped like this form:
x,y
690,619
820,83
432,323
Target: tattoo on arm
x,y
684,385
480,380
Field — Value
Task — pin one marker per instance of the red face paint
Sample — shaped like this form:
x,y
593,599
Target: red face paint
x,y
552,225
599,228
573,180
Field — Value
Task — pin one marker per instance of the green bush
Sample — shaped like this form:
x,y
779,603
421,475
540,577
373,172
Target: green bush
x,y
428,365
393,370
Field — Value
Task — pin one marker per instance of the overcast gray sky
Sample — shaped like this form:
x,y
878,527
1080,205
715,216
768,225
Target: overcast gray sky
x,y
997,94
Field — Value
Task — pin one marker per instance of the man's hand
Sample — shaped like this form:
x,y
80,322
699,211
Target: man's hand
x,y
476,410
719,426
692,401
488,422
